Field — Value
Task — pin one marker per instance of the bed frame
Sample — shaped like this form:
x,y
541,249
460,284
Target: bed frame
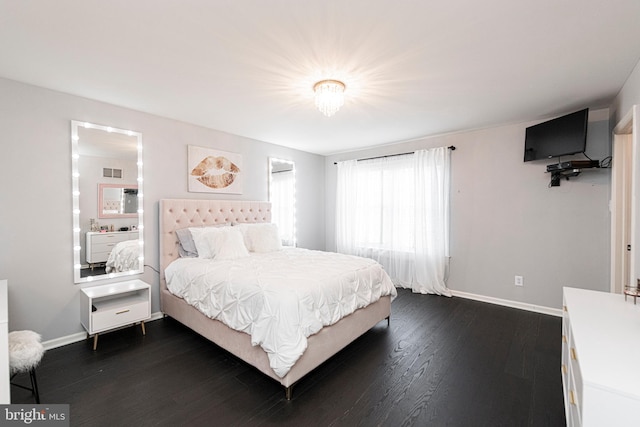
x,y
180,213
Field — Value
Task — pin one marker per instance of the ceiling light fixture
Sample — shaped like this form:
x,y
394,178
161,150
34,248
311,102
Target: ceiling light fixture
x,y
329,96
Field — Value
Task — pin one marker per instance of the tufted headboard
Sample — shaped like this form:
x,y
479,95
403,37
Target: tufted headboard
x,y
181,213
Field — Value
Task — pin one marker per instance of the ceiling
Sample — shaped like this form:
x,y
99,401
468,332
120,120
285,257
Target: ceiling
x,y
247,67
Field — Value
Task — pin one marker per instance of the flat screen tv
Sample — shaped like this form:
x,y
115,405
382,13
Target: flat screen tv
x,y
558,137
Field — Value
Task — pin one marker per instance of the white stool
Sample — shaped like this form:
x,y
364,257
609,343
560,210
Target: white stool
x,y
25,353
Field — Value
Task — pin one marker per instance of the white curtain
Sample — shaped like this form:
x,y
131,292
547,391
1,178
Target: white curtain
x,y
396,211
433,174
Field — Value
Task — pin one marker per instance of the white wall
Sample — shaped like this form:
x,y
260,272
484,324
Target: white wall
x,y
505,221
35,197
628,96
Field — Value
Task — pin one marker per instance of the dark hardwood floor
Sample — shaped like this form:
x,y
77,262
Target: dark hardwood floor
x,y
442,362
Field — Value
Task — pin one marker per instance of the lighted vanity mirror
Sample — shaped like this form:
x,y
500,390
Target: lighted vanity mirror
x,y
107,202
282,195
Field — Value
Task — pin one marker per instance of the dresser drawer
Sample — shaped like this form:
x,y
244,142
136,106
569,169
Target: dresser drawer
x,y
573,415
564,367
101,238
103,247
576,372
100,253
120,312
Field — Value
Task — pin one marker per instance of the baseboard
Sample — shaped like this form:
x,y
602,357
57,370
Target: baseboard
x,y
81,336
507,303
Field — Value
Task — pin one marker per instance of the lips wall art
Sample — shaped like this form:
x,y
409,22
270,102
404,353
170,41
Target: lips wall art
x,y
214,171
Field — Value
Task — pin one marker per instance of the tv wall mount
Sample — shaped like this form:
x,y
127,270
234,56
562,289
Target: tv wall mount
x,y
569,169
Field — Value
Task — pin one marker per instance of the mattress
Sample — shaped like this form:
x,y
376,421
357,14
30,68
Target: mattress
x,y
279,298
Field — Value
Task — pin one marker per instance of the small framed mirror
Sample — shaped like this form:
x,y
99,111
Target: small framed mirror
x,y
282,195
107,202
117,200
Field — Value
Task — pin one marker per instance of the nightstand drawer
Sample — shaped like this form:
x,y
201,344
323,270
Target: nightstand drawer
x,y
109,316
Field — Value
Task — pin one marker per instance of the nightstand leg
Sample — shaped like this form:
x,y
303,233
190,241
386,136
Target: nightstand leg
x,y
95,342
143,330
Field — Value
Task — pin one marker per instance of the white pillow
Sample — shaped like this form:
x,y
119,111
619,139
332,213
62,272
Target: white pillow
x,y
187,247
229,245
243,229
262,237
220,243
201,237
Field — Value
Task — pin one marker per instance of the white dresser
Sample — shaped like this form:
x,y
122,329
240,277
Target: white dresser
x,y
600,352
99,245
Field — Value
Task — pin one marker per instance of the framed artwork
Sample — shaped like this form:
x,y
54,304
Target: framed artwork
x,y
214,171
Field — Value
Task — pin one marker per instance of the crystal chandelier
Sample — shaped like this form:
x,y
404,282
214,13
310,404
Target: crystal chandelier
x,y
329,96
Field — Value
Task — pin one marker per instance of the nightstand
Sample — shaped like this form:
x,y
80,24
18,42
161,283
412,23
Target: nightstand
x,y
107,307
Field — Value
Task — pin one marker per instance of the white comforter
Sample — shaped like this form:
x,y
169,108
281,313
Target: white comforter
x,y
279,298
123,257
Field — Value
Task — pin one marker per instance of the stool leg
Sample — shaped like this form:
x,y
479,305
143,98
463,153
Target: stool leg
x,y
34,384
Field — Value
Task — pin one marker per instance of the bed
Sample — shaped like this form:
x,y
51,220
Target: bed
x,y
177,214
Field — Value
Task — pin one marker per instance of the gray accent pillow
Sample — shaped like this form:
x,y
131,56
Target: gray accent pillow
x,y
187,247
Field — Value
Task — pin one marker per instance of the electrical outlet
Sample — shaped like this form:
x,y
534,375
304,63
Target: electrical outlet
x,y
519,281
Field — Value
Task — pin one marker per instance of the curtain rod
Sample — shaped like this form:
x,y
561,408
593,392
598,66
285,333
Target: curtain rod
x,y
451,147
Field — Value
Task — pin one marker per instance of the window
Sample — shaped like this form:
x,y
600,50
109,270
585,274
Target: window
x,y
395,210
384,204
